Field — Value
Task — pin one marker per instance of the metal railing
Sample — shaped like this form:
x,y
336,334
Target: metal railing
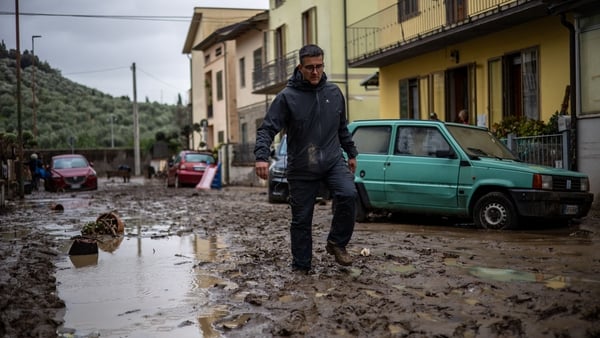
x,y
274,73
547,150
394,26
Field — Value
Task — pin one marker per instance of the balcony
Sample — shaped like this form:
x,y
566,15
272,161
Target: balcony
x,y
403,31
271,77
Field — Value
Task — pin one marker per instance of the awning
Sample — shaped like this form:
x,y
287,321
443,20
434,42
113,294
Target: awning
x,y
371,80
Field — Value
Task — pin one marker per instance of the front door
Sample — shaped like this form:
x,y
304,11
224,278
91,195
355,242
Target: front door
x,y
414,177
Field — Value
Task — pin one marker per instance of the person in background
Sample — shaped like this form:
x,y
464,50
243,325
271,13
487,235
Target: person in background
x,y
35,164
312,111
433,116
463,117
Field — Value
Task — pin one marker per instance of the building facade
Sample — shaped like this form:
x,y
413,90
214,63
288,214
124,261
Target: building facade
x,y
494,58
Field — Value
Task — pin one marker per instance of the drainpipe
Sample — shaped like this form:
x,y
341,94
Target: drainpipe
x,y
573,82
225,152
346,59
191,103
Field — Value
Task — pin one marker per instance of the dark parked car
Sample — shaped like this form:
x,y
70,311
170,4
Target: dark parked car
x,y
188,167
70,172
278,185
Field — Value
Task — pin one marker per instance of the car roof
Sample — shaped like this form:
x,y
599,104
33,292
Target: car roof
x,y
67,156
376,122
196,152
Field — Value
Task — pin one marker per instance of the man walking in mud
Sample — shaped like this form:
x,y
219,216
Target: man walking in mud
x,y
312,112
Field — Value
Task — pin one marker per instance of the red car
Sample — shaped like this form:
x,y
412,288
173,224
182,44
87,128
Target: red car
x,y
188,168
70,172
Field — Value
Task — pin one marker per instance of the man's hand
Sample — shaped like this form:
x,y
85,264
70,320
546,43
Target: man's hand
x,y
352,164
262,169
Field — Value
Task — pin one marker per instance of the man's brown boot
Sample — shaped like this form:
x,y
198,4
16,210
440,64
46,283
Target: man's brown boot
x,y
341,256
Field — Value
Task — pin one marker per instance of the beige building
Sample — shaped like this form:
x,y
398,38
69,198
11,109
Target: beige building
x,y
213,75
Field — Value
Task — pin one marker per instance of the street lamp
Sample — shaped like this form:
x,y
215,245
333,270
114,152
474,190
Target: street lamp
x,y
33,37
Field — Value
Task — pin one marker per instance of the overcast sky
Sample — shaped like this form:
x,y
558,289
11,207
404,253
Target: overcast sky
x,y
99,52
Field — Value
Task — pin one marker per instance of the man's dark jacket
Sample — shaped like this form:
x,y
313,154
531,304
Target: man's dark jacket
x,y
314,119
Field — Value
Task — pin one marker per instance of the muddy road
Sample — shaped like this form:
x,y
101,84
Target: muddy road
x,y
216,263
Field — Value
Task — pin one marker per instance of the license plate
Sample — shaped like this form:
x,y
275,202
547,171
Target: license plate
x,y
570,209
199,168
75,186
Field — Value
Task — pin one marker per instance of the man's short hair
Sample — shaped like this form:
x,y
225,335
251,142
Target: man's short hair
x,y
310,51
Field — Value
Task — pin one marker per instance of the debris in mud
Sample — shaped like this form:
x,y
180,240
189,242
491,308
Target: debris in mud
x,y
83,246
106,224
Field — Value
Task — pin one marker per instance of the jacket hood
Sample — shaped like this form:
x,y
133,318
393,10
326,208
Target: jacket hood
x,y
297,81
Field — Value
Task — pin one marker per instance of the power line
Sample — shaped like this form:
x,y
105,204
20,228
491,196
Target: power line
x,y
157,79
172,18
96,71
98,16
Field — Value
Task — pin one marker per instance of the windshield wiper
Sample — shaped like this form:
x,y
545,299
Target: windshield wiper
x,y
479,152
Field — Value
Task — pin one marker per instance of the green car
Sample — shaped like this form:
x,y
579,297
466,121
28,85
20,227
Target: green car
x,y
456,170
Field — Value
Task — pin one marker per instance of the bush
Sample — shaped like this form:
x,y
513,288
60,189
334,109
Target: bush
x,y
522,126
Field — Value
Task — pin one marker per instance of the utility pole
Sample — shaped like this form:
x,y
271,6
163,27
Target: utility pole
x,y
33,85
136,126
19,117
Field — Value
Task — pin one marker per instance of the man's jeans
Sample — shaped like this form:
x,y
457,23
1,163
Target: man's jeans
x,y
340,182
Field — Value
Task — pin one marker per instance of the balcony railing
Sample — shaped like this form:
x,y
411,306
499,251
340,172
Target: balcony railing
x,y
402,24
272,77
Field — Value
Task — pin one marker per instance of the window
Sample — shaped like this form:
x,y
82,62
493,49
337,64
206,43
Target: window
x,y
279,3
221,136
279,43
242,72
456,10
244,133
409,99
218,51
590,81
309,26
208,92
372,140
407,9
257,57
420,141
220,85
520,84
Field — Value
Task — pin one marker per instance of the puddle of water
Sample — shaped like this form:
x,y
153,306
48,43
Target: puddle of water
x,y
143,288
403,269
12,235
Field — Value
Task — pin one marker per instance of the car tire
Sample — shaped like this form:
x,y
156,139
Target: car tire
x,y
271,197
495,211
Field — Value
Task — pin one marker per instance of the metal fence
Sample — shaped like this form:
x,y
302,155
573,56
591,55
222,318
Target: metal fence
x,y
243,154
547,150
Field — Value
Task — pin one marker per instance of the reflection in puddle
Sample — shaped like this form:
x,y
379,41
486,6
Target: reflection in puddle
x,y
146,288
509,275
80,261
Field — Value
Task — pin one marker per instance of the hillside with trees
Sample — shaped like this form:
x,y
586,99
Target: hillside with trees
x,y
66,111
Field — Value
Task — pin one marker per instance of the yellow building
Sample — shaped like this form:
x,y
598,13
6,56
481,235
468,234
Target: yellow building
x,y
494,58
293,24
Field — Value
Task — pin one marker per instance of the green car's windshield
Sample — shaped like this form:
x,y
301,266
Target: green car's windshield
x,y
480,143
